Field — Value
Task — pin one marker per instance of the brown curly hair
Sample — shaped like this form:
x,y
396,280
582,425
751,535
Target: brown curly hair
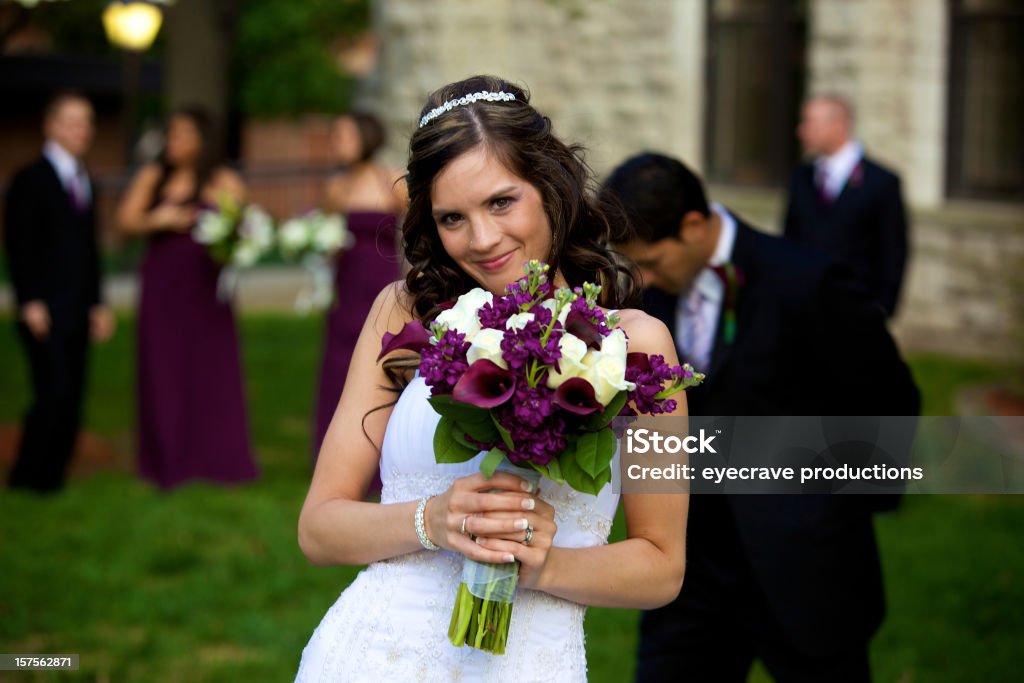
x,y
522,138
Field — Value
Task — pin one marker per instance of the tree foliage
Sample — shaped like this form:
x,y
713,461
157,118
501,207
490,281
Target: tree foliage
x,y
284,64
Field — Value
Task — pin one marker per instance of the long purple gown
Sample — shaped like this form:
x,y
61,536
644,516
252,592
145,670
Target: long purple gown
x,y
361,273
192,420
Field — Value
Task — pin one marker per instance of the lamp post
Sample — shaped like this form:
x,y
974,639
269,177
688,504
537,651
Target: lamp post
x,y
132,25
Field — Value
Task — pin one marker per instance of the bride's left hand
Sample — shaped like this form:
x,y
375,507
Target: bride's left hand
x,y
533,556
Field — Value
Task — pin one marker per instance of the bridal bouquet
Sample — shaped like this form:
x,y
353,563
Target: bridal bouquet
x,y
535,377
314,238
233,233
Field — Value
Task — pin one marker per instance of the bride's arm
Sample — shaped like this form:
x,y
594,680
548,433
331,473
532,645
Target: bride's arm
x,y
335,525
645,570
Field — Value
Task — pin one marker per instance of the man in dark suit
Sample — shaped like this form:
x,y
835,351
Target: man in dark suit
x,y
794,580
50,234
847,205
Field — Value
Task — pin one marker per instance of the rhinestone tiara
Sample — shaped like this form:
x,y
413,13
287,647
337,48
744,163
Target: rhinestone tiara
x,y
463,101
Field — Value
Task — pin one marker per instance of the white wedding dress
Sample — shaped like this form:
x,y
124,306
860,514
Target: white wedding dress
x,y
391,624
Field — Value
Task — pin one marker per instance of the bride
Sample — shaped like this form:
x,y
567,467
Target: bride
x,y
490,187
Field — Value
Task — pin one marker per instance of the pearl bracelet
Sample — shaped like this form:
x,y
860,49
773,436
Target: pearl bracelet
x,y
421,528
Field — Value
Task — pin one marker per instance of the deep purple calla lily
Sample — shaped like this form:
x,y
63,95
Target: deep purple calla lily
x,y
578,325
577,396
485,385
413,337
636,359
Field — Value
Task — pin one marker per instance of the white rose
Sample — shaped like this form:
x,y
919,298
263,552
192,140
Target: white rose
x,y
487,344
519,321
211,228
246,253
571,363
606,369
259,226
293,235
330,234
463,315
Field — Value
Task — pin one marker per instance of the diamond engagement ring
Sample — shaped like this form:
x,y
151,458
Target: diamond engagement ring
x,y
529,535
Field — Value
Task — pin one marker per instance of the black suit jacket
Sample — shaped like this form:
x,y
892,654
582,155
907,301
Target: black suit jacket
x,y
808,342
51,248
864,227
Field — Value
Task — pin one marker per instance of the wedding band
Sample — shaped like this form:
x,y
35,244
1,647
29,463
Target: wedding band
x,y
529,535
462,529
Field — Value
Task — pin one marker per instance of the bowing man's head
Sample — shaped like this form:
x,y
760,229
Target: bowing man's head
x,y
671,233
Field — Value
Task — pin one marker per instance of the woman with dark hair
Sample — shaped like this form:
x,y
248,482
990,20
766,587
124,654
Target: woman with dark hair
x,y
372,200
490,187
191,403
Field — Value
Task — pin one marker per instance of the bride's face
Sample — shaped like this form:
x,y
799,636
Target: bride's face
x,y
490,220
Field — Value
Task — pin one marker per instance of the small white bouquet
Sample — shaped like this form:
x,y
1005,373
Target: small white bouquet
x,y
236,236
314,238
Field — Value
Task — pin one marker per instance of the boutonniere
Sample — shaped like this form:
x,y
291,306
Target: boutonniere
x,y
733,279
857,175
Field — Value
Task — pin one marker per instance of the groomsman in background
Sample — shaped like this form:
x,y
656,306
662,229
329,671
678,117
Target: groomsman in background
x,y
794,580
50,235
847,205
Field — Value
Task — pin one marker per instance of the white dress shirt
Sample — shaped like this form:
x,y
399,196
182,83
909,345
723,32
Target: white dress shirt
x,y
698,309
70,171
838,167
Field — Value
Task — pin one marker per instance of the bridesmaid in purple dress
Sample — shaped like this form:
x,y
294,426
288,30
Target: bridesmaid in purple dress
x,y
372,199
191,407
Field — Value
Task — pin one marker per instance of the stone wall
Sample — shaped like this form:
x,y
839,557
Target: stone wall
x,y
617,76
890,58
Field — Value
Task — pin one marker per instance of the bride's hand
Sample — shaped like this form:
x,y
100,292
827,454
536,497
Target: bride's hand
x,y
495,508
491,530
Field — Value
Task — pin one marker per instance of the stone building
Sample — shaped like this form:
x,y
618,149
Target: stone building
x,y
935,84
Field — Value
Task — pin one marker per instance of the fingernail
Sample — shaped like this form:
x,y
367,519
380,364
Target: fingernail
x,y
529,504
521,523
510,558
527,486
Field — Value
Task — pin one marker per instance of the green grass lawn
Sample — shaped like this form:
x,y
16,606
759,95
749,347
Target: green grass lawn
x,y
208,584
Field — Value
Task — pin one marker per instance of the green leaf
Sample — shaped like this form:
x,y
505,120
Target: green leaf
x,y
586,453
447,448
446,406
576,477
481,429
605,417
505,436
491,461
552,471
605,449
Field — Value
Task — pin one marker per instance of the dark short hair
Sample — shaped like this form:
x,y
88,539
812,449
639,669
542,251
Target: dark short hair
x,y
59,99
523,140
655,192
371,133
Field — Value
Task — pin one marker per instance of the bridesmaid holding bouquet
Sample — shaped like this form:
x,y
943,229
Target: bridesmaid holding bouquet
x,y
192,420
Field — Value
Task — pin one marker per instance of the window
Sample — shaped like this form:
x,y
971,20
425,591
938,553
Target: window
x,y
986,101
755,76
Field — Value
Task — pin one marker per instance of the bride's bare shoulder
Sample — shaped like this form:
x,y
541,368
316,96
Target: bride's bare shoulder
x,y
393,307
646,333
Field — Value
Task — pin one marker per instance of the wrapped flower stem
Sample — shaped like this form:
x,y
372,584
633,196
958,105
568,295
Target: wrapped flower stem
x,y
483,604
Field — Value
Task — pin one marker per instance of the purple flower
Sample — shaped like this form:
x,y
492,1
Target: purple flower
x,y
485,385
412,337
577,396
444,363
